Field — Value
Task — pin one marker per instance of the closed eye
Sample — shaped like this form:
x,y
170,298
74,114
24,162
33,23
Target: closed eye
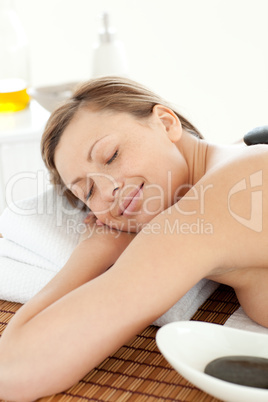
x,y
112,158
89,194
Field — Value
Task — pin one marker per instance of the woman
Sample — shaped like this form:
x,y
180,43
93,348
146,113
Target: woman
x,y
166,210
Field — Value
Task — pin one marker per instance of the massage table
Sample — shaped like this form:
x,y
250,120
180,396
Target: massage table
x,y
138,371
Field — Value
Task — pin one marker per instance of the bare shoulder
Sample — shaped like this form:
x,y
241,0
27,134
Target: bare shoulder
x,y
222,222
241,183
245,169
233,198
244,158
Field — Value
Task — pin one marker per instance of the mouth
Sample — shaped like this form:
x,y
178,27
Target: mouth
x,y
131,200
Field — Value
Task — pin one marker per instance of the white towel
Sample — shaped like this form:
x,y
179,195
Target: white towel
x,y
40,234
240,320
45,225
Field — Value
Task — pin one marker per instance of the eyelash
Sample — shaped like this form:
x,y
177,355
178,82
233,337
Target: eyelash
x,y
112,158
107,163
89,193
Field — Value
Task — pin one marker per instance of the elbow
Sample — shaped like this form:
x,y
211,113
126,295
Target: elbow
x,y
19,381
12,389
15,387
16,393
22,389
22,375
16,383
25,380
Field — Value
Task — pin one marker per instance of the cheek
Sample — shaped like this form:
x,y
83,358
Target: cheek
x,y
77,191
100,209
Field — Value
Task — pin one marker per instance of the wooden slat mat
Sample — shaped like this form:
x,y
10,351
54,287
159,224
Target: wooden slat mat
x,y
138,371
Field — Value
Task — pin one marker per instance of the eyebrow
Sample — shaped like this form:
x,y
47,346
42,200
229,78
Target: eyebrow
x,y
89,158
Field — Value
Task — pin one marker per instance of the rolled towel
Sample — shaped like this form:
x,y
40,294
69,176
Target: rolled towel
x,y
46,225
240,320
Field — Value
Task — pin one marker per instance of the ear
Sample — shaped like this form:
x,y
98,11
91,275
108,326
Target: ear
x,y
170,122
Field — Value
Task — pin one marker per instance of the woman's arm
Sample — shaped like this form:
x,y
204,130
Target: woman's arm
x,y
68,329
53,344
95,253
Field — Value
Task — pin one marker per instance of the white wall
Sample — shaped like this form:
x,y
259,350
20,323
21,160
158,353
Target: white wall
x,y
209,57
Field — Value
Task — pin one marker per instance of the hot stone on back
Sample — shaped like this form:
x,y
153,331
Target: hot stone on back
x,y
258,135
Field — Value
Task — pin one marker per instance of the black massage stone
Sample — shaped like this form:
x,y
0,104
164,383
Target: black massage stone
x,y
243,370
258,135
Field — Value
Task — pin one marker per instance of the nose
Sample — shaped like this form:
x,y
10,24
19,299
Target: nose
x,y
106,196
115,190
108,188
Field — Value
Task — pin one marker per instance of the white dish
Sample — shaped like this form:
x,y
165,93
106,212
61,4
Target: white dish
x,y
190,345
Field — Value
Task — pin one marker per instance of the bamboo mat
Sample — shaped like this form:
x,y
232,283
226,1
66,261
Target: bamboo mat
x,y
138,372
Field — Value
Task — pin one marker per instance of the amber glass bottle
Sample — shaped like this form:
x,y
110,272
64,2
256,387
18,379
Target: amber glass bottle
x,y
14,60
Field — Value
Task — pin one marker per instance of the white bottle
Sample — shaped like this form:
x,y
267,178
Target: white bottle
x,y
109,56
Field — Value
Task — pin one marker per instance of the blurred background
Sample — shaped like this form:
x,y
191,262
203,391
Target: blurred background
x,y
209,57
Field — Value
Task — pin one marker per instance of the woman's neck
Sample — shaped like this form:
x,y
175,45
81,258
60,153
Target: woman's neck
x,y
202,156
195,153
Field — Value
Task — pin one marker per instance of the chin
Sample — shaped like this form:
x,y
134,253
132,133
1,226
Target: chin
x,y
131,224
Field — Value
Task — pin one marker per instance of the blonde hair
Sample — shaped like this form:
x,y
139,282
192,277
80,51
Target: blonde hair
x,y
107,93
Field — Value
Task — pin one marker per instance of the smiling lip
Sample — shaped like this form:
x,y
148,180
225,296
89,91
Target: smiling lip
x,y
130,202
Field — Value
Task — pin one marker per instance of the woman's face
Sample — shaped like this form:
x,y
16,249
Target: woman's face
x,y
125,169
